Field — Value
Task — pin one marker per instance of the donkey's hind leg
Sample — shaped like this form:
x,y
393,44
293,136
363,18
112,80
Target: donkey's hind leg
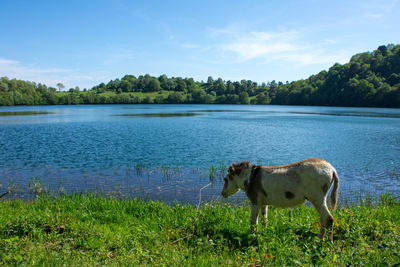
x,y
326,218
264,214
255,211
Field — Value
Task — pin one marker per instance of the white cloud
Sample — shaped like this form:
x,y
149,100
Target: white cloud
x,y
119,56
307,58
372,12
262,44
373,16
188,45
289,46
364,19
49,76
380,6
13,67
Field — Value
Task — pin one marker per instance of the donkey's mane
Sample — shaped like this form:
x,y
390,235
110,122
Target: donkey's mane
x,y
236,168
243,164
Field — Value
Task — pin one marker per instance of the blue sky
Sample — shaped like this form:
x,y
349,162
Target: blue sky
x,y
82,43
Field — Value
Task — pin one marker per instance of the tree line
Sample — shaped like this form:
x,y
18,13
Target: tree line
x,y
370,79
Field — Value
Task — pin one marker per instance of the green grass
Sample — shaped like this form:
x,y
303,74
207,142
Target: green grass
x,y
91,230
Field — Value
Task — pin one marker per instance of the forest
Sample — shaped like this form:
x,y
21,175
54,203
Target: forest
x,y
369,79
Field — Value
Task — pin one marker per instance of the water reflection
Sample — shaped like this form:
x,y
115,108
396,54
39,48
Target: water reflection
x,y
159,115
350,114
220,110
24,113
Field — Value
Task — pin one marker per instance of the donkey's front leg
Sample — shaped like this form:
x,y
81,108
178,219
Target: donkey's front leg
x,y
255,210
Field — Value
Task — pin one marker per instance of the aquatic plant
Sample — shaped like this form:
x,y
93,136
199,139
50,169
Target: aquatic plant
x,y
217,172
222,169
37,187
12,187
139,167
212,173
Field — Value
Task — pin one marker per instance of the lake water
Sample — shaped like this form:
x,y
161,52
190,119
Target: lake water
x,y
166,152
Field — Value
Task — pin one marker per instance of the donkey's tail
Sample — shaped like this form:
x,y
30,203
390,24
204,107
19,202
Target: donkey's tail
x,y
335,190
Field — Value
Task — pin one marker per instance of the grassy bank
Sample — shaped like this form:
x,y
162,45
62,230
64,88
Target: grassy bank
x,y
91,230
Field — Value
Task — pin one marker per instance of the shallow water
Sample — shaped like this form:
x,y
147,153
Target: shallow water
x,y
100,148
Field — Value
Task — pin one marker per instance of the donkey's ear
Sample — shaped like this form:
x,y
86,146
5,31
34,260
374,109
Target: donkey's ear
x,y
231,168
248,164
236,165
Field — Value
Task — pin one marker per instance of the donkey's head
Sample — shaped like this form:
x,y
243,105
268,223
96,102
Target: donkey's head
x,y
234,180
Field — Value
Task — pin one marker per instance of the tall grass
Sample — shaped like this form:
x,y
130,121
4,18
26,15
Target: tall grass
x,y
139,167
87,230
217,171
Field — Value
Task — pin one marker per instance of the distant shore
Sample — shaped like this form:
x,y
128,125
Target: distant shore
x,y
369,79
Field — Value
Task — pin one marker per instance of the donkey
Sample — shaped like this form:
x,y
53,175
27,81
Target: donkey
x,y
285,186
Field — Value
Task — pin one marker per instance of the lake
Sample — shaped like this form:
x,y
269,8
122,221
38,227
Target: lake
x,y
167,152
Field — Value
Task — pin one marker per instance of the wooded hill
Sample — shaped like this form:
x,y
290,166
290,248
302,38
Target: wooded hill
x,y
370,79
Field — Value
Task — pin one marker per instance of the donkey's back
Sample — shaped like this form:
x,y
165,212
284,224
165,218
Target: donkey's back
x,y
290,185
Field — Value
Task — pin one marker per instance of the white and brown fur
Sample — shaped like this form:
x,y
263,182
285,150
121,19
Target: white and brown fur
x,y
285,186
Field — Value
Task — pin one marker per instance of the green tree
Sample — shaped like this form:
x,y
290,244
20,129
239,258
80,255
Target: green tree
x,y
60,86
210,80
199,96
244,98
175,98
180,85
263,99
3,87
163,79
154,85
